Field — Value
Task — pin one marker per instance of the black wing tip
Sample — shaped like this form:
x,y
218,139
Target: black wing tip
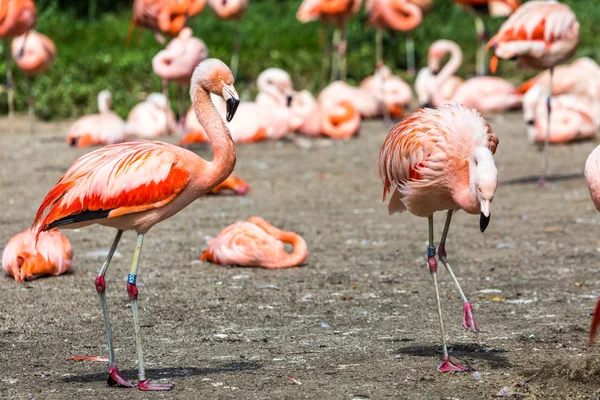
x,y
79,217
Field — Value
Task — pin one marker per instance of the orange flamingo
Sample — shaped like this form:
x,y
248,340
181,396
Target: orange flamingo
x,y
396,15
255,243
495,8
592,177
94,129
232,185
25,259
16,18
232,10
151,118
435,160
176,62
335,13
166,16
33,54
135,185
540,34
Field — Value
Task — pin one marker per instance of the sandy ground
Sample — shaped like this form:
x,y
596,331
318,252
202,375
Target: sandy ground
x,y
358,321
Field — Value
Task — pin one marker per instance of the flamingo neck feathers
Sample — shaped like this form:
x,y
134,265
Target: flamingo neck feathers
x,y
218,134
402,15
480,169
451,66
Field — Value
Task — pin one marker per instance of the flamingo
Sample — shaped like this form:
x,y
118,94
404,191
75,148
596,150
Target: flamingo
x,y
396,15
336,13
26,259
435,160
232,10
33,54
255,243
495,8
574,117
135,185
392,91
361,99
232,185
94,129
166,16
148,119
486,93
176,62
16,18
592,175
540,34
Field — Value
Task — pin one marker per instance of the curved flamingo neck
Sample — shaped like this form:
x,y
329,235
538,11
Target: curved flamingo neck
x,y
450,68
300,249
219,137
402,15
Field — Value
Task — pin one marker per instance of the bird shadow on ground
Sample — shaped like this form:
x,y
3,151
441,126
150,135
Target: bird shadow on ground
x,y
535,178
159,373
494,357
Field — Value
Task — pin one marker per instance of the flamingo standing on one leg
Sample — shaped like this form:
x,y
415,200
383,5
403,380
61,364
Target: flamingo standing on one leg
x,y
135,185
232,10
16,18
255,243
435,160
592,177
26,259
540,34
33,53
495,8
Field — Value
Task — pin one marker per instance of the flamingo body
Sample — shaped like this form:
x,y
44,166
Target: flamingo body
x,y
176,62
229,9
33,52
397,15
148,119
166,16
16,17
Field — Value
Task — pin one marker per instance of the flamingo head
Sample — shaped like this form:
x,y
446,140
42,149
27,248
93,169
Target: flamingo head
x,y
214,76
104,99
484,181
276,82
159,100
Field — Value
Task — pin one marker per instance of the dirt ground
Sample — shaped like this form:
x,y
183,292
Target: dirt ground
x,y
357,321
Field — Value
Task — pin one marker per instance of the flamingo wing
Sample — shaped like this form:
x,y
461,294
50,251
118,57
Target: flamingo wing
x,y
113,181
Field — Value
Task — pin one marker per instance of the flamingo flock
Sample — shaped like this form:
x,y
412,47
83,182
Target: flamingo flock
x,y
439,158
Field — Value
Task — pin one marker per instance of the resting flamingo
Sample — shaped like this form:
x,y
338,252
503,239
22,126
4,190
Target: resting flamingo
x,y
232,10
495,8
151,118
25,259
486,93
97,129
574,117
396,15
16,18
436,160
337,14
367,105
163,16
255,243
135,185
232,185
540,34
33,54
393,92
592,177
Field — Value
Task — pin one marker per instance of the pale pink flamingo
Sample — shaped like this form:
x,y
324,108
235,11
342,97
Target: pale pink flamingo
x,y
232,10
25,259
16,18
436,160
232,185
163,16
332,13
98,129
495,8
592,177
391,90
151,118
33,54
540,34
361,99
176,62
396,15
255,243
135,185
574,117
275,95
486,93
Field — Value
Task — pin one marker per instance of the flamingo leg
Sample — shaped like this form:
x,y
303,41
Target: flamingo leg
x,y
165,90
335,58
325,33
545,155
481,29
132,290
447,364
342,52
9,80
410,54
378,47
113,379
235,57
469,321
31,104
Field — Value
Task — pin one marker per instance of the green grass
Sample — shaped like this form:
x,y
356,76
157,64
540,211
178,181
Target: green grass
x,y
92,55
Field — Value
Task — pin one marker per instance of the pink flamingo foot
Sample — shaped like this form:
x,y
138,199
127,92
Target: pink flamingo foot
x,y
448,365
469,322
147,386
114,379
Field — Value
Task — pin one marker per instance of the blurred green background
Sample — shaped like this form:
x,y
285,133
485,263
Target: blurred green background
x,y
90,39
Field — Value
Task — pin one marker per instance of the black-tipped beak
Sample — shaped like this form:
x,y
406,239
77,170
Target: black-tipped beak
x,y
232,105
73,142
427,105
289,100
530,122
484,222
